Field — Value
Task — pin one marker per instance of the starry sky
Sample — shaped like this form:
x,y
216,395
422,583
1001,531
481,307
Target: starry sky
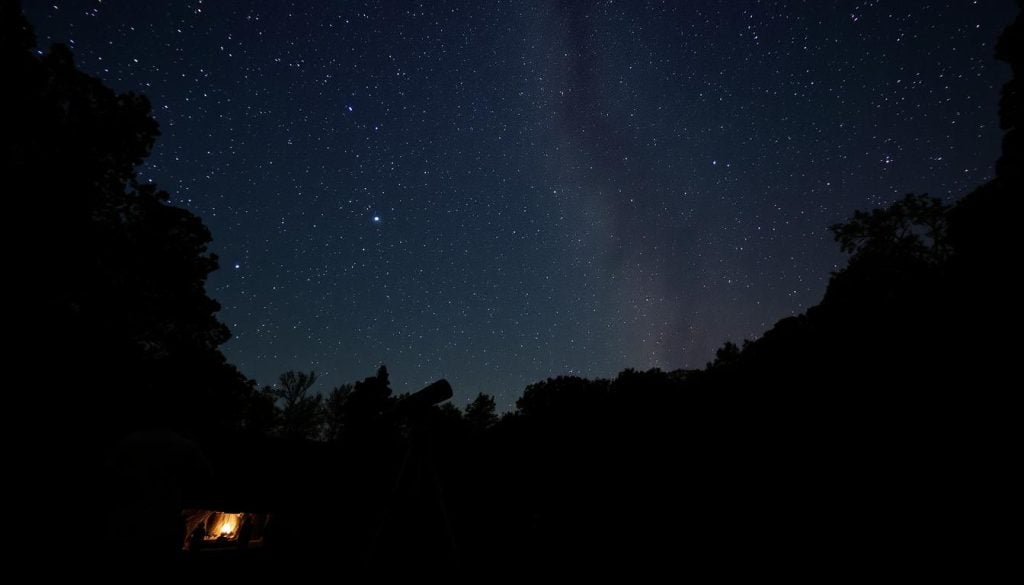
x,y
498,192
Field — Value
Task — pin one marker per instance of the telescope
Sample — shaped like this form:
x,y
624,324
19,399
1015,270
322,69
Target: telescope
x,y
418,402
417,478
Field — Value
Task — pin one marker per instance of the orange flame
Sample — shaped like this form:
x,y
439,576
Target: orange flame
x,y
225,526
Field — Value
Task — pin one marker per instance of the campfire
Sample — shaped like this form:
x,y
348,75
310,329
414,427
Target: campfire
x,y
218,528
224,526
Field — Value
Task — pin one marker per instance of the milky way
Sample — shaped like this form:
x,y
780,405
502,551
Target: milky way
x,y
498,192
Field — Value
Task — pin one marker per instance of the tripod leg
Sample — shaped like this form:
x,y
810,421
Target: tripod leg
x,y
386,514
445,518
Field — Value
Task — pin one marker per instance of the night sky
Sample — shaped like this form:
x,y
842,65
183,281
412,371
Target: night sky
x,y
499,192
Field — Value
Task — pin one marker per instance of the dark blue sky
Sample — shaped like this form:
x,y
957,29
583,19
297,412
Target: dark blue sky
x,y
498,192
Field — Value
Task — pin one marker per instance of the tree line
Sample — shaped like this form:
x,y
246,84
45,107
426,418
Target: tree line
x,y
290,410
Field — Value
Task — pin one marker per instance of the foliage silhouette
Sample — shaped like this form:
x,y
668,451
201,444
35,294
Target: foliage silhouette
x,y
301,414
725,355
480,412
261,415
114,272
913,227
360,413
336,412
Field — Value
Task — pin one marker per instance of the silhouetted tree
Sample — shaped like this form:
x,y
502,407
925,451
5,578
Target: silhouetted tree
x,y
113,274
261,413
564,396
358,412
301,413
448,413
725,355
370,397
336,412
480,412
913,227
898,253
